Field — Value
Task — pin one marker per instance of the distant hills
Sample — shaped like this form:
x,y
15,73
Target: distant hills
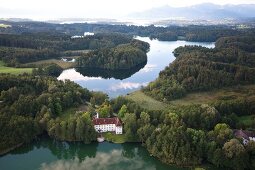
x,y
205,11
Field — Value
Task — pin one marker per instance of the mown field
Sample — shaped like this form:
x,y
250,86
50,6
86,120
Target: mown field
x,y
4,26
68,113
111,137
62,64
146,102
12,70
247,121
193,98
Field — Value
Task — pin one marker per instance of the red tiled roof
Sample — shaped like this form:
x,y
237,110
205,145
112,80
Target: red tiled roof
x,y
118,122
103,121
243,134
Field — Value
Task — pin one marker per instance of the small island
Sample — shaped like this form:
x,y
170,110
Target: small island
x,y
121,57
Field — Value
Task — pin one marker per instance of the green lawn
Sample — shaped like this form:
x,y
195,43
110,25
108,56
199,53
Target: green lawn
x,y
111,137
68,113
149,103
12,70
209,96
146,102
62,64
247,121
4,26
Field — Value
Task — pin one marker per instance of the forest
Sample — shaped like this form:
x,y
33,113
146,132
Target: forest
x,y
31,105
189,135
122,57
230,63
17,49
197,33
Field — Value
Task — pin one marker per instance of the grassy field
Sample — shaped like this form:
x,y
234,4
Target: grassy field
x,y
66,114
12,70
194,98
110,137
62,64
146,101
77,51
207,97
247,121
4,26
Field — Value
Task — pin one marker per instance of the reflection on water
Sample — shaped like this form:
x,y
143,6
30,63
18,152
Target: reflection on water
x,y
111,160
107,74
122,82
126,86
48,154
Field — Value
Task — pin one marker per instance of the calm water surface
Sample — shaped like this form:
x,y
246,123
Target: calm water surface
x,y
121,83
49,154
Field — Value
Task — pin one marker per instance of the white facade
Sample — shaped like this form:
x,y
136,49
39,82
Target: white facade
x,y
107,124
246,141
252,139
88,34
105,127
118,130
108,128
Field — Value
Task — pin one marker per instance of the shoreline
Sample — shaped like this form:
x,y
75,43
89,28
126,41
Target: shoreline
x,y
6,151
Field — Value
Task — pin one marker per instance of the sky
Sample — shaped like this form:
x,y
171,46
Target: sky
x,y
54,9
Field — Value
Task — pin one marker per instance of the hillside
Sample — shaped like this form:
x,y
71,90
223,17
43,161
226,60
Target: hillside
x,y
205,11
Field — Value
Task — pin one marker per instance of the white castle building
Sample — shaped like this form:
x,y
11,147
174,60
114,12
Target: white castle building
x,y
107,124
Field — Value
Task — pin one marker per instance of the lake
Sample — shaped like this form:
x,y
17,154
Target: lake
x,y
124,82
49,154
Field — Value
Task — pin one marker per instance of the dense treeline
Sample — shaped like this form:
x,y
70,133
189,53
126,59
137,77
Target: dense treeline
x,y
30,47
196,68
77,128
245,43
30,105
48,70
124,56
165,36
60,41
189,135
199,34
16,56
190,33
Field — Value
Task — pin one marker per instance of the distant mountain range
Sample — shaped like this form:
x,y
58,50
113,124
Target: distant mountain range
x,y
205,11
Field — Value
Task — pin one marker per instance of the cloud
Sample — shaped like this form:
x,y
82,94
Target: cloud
x,y
112,160
73,75
148,68
127,85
